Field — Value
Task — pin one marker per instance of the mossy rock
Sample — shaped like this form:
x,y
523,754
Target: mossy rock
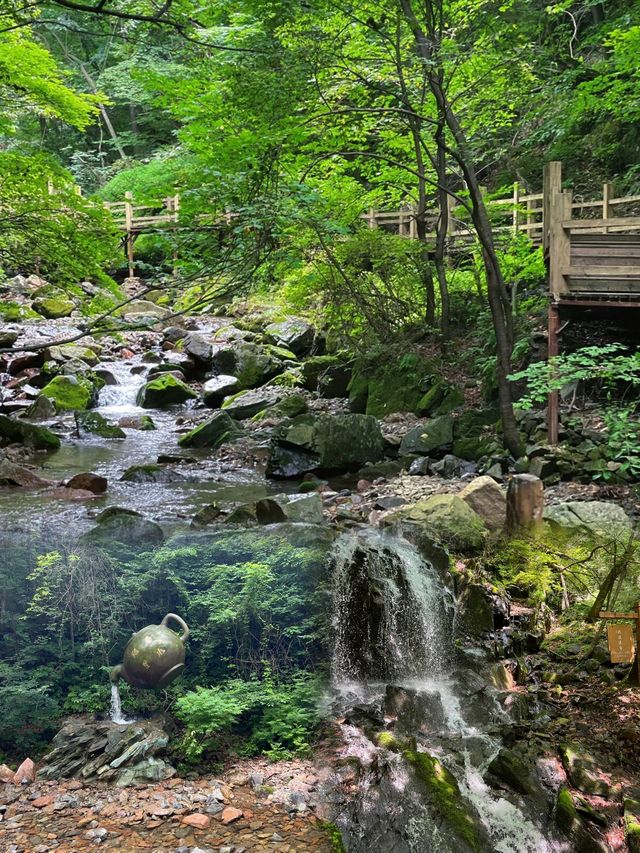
x,y
289,407
448,519
125,526
509,768
445,798
69,393
37,437
443,397
96,424
435,434
151,473
147,424
582,770
631,808
53,307
165,390
215,432
74,351
565,812
473,449
12,311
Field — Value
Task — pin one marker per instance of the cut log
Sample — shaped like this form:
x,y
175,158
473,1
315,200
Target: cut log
x,y
525,503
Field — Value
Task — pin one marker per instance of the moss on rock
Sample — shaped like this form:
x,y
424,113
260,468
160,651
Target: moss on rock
x,y
69,393
445,797
165,390
37,437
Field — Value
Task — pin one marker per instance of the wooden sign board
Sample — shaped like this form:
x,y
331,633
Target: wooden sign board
x,y
621,643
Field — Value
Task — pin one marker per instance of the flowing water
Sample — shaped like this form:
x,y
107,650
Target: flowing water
x,y
395,658
115,712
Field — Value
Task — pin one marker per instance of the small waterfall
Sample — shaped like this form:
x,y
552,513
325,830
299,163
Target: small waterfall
x,y
120,399
393,618
391,611
115,712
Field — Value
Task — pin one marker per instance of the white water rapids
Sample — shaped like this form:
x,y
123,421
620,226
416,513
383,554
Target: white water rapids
x,y
115,713
391,605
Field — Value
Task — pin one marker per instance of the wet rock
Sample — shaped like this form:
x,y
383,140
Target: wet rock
x,y
325,443
433,435
12,474
250,403
486,499
507,768
420,467
447,518
42,409
212,433
164,391
294,334
39,438
69,393
297,508
125,526
198,346
207,515
144,423
215,390
95,424
25,361
173,334
67,352
151,473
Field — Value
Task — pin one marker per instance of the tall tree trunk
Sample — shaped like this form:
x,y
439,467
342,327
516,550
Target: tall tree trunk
x,y
499,302
441,231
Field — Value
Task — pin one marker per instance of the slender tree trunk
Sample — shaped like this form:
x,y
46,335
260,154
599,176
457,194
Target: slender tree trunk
x,y
441,232
499,302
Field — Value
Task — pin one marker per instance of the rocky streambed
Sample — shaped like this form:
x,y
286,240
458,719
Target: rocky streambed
x,y
214,426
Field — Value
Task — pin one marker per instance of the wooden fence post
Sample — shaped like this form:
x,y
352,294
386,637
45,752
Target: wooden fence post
x,y
451,223
413,224
607,195
128,222
553,401
516,211
552,184
559,241
371,219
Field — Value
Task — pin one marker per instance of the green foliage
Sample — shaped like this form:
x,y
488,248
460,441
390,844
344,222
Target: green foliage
x,y
64,235
27,710
30,78
277,720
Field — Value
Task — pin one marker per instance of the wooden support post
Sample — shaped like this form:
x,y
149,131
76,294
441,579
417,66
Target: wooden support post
x,y
401,221
175,203
516,204
525,503
371,219
552,184
451,223
413,224
607,195
622,651
553,401
559,242
128,221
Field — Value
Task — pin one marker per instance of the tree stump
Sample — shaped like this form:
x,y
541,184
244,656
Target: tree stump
x,y
525,503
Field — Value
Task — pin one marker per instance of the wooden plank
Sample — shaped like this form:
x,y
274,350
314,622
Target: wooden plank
x,y
603,285
627,221
629,199
609,614
611,271
598,239
552,185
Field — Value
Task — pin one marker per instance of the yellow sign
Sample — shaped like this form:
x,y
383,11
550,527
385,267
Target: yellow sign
x,y
621,643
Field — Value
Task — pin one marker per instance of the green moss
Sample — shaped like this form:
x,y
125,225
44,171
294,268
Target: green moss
x,y
69,393
37,437
146,423
335,838
213,433
163,391
566,813
387,740
445,795
53,307
11,311
96,424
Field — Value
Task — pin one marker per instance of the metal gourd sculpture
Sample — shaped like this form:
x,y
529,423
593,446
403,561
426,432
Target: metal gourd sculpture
x,y
154,656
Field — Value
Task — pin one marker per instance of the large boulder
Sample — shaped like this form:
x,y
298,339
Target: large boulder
x,y
447,519
199,346
325,443
597,518
17,432
66,352
329,375
246,404
212,433
255,364
53,307
126,526
294,334
152,473
17,475
434,435
216,389
69,393
486,499
165,390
